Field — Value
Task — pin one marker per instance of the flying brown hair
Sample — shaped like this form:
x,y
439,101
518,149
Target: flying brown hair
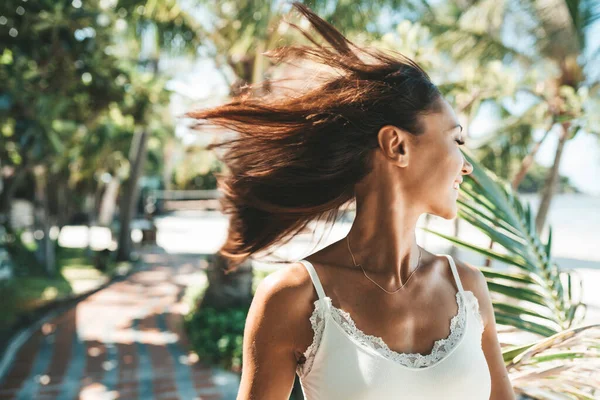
x,y
297,160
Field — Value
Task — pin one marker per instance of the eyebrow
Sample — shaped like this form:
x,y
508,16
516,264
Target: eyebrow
x,y
454,127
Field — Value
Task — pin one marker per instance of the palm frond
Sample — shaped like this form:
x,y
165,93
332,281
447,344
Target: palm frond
x,y
583,14
565,363
463,43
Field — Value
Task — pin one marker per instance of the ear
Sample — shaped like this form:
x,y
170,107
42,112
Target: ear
x,y
395,144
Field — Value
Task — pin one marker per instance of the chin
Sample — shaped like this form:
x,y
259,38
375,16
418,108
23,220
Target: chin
x,y
449,215
446,212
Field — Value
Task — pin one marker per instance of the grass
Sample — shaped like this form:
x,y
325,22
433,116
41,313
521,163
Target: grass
x,y
24,294
31,288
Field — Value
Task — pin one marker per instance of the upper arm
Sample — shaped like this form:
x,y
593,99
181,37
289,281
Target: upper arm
x,y
501,385
268,359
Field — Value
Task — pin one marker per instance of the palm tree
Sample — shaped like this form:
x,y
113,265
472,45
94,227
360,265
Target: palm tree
x,y
169,30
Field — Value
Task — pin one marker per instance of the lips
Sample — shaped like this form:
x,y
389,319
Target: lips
x,y
457,183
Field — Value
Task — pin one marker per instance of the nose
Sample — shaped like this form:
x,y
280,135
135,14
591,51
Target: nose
x,y
467,167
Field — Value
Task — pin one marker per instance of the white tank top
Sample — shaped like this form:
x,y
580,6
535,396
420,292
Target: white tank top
x,y
344,363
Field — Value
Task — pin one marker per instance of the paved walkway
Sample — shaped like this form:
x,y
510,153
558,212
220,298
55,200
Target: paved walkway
x,y
124,342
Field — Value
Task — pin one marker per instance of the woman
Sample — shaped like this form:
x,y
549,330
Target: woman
x,y
372,316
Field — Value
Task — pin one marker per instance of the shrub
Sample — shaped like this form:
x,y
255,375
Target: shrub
x,y
217,336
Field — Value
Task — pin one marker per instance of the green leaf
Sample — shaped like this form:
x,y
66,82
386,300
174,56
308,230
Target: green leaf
x,y
518,310
529,326
511,276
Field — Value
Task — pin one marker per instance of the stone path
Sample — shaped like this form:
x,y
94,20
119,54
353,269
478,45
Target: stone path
x,y
125,342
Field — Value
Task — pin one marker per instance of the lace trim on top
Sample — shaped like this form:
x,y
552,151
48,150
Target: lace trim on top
x,y
440,348
317,321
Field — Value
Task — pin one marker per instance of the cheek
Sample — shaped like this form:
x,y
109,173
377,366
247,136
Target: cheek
x,y
443,163
442,170
453,160
435,169
429,173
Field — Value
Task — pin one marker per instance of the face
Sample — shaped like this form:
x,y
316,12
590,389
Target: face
x,y
432,164
439,163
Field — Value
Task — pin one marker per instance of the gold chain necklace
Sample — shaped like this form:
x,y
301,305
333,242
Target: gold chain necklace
x,y
395,291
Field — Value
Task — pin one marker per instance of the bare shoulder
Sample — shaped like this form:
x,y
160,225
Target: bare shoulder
x,y
271,334
471,277
286,295
287,286
473,280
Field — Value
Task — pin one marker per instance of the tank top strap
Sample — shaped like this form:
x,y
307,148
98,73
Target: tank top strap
x,y
315,278
454,272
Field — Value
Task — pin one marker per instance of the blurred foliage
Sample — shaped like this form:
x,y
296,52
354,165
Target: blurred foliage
x,y
81,78
22,252
217,336
238,32
197,170
207,327
165,24
535,179
23,294
57,77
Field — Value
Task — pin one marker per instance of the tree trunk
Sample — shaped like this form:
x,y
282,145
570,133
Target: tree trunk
x,y
8,193
528,161
258,69
45,250
109,202
88,209
228,290
169,163
137,157
551,181
62,213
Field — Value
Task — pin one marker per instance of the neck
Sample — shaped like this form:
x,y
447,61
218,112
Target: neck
x,y
382,239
